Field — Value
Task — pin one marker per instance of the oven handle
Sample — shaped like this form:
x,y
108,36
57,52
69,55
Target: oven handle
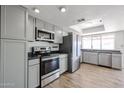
x,y
46,59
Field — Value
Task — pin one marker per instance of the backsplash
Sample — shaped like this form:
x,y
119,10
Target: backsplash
x,y
39,43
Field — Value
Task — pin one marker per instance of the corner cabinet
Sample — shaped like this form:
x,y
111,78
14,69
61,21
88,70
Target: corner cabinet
x,y
31,29
13,61
13,22
58,35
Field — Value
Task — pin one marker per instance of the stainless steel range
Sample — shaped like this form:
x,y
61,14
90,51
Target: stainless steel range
x,y
49,65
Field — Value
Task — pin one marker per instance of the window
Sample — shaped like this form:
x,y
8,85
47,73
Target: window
x,y
108,41
96,42
86,42
104,41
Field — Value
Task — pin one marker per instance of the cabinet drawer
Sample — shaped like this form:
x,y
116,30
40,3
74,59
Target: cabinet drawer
x,y
34,61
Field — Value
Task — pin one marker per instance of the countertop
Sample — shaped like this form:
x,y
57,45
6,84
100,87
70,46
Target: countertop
x,y
102,51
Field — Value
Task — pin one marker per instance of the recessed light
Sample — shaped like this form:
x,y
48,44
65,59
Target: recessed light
x,y
62,9
36,10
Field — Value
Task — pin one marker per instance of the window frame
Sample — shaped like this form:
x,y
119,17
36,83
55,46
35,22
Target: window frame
x,y
101,41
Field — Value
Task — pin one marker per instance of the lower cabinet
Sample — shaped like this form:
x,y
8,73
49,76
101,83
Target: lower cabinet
x,y
113,60
105,59
63,63
116,61
33,73
86,56
13,63
90,57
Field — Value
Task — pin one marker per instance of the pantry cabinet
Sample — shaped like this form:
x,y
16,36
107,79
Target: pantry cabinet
x,y
31,29
13,22
13,59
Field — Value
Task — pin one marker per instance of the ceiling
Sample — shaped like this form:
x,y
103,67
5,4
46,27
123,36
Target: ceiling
x,y
51,13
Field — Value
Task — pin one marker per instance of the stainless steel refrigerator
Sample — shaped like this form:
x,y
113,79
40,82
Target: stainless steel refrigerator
x,y
72,45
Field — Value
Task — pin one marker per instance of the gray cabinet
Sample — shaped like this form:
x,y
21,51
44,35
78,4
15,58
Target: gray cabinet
x,y
90,57
34,73
31,29
39,24
13,60
63,63
105,59
58,35
48,26
116,61
86,57
13,22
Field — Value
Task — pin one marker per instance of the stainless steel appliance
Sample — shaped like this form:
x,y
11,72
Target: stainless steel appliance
x,y
72,45
44,35
49,70
49,64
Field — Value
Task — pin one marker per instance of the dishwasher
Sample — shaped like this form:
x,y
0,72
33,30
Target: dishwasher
x,y
105,59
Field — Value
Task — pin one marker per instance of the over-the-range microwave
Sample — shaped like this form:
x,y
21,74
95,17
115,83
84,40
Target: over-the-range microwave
x,y
44,35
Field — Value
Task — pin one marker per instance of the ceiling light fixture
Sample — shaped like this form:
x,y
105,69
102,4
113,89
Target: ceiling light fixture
x,y
62,9
36,10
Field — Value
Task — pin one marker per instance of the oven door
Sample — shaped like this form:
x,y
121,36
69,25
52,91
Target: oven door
x,y
49,66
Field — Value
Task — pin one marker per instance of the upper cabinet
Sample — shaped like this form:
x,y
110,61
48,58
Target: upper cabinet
x,y
31,29
58,35
13,22
48,26
39,24
58,32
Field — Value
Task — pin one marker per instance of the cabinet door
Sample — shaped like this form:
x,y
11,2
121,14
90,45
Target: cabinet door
x,y
58,35
31,29
13,56
40,24
86,57
13,22
116,61
1,67
93,58
63,65
105,59
48,26
33,80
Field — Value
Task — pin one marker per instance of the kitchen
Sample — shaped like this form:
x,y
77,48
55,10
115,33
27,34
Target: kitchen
x,y
37,50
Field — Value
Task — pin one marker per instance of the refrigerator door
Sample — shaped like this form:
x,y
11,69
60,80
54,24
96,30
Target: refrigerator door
x,y
75,52
71,46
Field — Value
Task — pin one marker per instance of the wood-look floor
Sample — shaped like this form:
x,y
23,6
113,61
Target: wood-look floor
x,y
90,76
